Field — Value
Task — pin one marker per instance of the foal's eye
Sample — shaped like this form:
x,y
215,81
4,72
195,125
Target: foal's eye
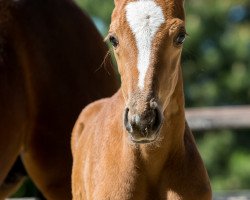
x,y
179,40
113,40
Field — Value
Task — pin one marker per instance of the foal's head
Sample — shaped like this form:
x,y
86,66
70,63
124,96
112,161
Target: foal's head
x,y
147,37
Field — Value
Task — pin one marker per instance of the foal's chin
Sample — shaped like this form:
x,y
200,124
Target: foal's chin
x,y
139,139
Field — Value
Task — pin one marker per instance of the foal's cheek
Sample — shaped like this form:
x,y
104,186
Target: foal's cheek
x,y
123,76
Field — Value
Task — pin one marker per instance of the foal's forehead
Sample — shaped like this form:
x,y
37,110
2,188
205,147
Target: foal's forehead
x,y
144,10
144,18
170,8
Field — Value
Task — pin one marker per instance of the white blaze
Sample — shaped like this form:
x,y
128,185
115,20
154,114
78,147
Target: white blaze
x,y
145,18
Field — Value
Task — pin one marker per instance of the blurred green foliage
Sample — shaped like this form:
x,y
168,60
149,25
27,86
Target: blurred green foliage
x,y
216,66
216,56
100,11
216,69
227,158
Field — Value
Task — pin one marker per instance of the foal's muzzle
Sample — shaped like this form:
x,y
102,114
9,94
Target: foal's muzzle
x,y
144,127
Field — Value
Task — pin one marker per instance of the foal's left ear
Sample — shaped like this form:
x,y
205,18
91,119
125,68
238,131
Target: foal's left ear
x,y
116,1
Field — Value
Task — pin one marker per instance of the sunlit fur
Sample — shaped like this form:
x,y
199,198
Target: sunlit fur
x,y
49,54
107,163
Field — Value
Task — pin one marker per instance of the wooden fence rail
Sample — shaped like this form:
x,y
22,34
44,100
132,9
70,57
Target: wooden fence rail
x,y
234,117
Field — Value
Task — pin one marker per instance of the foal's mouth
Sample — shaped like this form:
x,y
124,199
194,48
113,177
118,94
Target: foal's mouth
x,y
143,140
142,137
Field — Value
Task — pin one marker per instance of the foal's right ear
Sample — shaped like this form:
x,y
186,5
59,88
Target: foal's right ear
x,y
117,1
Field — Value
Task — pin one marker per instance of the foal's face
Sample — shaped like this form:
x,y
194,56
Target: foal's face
x,y
147,36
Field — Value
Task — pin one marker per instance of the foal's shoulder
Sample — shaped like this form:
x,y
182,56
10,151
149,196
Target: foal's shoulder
x,y
85,118
92,109
104,105
92,114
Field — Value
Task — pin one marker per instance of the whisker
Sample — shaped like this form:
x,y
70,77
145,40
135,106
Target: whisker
x,y
103,64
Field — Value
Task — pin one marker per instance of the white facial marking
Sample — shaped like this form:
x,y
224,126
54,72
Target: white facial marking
x,y
144,18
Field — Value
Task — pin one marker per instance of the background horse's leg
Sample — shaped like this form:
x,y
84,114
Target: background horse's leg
x,y
14,122
6,186
10,146
13,180
48,160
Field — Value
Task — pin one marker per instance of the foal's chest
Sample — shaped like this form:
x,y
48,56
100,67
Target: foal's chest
x,y
127,183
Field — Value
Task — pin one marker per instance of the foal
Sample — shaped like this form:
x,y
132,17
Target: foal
x,y
136,144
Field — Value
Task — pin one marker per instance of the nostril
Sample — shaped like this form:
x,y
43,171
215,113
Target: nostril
x,y
135,119
153,104
157,119
149,121
126,121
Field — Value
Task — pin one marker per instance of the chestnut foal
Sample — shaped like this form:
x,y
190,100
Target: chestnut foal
x,y
49,55
137,144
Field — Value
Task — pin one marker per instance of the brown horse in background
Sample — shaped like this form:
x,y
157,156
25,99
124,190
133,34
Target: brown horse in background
x,y
49,56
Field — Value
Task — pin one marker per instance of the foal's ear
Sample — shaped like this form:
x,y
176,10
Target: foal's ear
x,y
118,1
179,9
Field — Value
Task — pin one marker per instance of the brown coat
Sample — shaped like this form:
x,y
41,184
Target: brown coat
x,y
50,53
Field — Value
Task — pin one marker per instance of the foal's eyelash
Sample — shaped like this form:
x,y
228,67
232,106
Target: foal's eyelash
x,y
106,38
